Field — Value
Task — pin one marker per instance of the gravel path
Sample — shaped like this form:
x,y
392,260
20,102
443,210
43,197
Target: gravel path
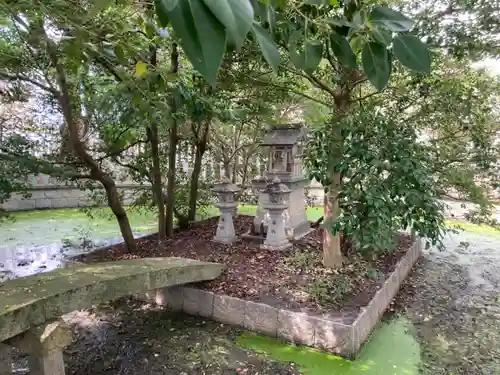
x,y
452,298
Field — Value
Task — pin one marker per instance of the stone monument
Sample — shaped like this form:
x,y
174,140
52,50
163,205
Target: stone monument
x,y
284,148
227,205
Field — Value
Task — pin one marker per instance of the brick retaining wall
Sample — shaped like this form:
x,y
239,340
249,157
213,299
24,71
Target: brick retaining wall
x,y
291,326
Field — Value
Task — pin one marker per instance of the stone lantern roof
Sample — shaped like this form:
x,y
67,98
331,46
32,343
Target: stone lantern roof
x,y
284,135
225,186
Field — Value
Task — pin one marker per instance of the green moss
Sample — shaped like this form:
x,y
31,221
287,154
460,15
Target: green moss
x,y
42,227
392,350
471,227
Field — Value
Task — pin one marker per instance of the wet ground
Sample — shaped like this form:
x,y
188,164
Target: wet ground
x,y
452,299
450,306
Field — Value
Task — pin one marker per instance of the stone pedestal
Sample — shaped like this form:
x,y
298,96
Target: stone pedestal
x,y
259,185
5,359
227,206
45,345
225,228
276,237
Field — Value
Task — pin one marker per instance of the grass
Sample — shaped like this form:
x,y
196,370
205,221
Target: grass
x,y
313,213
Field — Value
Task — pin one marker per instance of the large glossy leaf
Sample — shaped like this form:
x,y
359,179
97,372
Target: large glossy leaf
x,y
313,53
342,50
202,36
235,15
376,64
412,53
168,5
295,56
308,59
267,46
391,19
382,35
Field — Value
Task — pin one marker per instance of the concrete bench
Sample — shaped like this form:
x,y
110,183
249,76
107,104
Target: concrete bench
x,y
31,307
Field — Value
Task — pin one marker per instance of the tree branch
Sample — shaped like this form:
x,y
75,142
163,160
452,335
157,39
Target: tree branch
x,y
18,77
314,80
294,91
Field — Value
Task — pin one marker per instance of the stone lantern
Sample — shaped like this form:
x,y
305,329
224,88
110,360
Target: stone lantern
x,y
227,205
284,149
278,198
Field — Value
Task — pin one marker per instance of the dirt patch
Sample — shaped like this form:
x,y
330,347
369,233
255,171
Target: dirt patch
x,y
129,337
293,280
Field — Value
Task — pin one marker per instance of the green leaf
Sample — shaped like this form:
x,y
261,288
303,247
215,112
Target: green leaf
x,y
412,53
98,6
376,64
295,56
141,68
393,20
267,46
358,19
313,53
235,15
356,43
167,5
120,54
336,21
309,59
202,36
342,50
161,13
382,36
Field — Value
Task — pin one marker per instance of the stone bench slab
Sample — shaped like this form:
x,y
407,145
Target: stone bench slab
x,y
30,301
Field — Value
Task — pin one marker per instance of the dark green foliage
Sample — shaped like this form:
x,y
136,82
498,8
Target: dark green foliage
x,y
388,181
284,23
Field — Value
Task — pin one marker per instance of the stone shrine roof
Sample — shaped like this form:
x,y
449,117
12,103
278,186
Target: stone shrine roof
x,y
284,135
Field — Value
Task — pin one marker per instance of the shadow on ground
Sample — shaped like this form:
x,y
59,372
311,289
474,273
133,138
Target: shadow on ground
x,y
128,337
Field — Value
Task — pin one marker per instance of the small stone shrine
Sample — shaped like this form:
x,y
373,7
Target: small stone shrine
x,y
227,205
284,146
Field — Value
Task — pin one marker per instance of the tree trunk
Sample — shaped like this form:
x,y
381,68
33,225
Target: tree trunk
x,y
157,185
121,215
172,154
172,151
332,250
228,169
332,254
79,150
201,147
193,188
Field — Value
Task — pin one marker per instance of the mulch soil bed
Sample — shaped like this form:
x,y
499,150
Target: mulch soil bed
x,y
280,279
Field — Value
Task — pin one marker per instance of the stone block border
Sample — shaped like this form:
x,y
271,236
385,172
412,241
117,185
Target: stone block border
x,y
290,326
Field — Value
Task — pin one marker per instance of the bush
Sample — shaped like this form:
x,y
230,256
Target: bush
x,y
388,182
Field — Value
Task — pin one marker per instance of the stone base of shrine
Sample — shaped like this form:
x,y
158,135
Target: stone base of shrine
x,y
295,234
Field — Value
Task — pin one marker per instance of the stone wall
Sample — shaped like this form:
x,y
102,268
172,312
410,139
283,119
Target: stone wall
x,y
59,197
48,192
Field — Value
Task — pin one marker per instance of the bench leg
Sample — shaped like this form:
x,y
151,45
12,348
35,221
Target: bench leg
x,y
5,359
48,364
45,345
